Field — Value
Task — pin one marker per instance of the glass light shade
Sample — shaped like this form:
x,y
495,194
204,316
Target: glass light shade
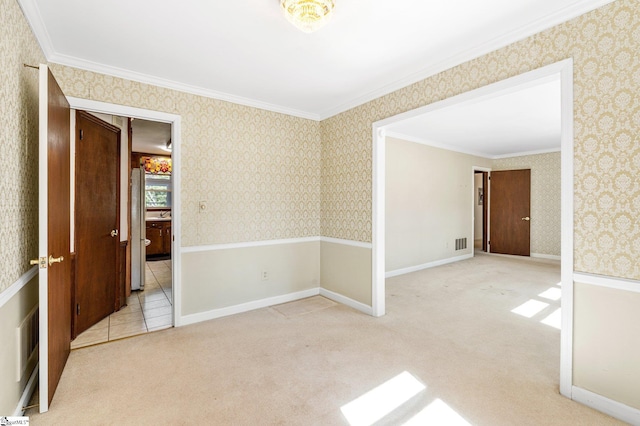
x,y
307,15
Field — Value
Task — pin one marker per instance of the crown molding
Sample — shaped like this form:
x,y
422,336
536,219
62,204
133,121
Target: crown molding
x,y
82,64
441,145
434,144
34,18
32,13
497,43
526,153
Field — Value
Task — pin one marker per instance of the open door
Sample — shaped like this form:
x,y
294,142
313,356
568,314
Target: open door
x,y
54,216
97,219
510,205
485,211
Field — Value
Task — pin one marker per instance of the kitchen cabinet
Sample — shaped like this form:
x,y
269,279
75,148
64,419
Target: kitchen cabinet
x,y
159,233
166,238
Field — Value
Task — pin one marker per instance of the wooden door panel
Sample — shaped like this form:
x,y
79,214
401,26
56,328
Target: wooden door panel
x,y
154,233
54,233
510,205
167,238
97,215
485,211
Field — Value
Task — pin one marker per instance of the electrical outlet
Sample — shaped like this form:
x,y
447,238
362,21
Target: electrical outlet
x,y
265,275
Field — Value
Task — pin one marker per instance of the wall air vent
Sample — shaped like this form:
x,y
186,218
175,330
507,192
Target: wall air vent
x,y
461,243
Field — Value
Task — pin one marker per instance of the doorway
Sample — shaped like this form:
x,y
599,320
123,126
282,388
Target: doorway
x,y
563,71
146,196
169,271
480,208
98,283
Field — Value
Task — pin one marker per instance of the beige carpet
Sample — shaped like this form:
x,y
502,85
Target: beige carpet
x,y
450,327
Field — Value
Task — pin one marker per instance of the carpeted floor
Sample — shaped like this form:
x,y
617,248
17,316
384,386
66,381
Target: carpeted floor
x,y
450,327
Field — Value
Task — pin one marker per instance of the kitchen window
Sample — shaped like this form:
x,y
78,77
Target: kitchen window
x,y
158,191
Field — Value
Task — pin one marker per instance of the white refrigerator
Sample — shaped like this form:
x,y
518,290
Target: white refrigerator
x,y
138,229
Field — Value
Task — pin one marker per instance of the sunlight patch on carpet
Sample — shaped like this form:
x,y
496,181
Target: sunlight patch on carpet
x,y
379,402
553,293
437,413
554,320
531,308
304,306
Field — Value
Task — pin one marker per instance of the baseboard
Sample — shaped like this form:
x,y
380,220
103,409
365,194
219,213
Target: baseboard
x,y
608,406
545,256
28,391
410,269
246,307
346,301
15,288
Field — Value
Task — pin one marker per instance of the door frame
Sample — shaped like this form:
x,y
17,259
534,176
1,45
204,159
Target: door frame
x,y
562,69
175,121
486,207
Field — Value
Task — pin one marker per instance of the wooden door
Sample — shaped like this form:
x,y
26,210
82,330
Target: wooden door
x,y
485,211
97,219
510,205
54,235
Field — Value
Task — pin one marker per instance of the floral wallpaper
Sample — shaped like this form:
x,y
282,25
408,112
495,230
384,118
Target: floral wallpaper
x,y
545,198
18,144
604,45
258,171
267,175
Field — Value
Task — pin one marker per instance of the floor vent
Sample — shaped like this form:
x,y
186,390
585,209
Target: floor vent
x,y
27,335
461,243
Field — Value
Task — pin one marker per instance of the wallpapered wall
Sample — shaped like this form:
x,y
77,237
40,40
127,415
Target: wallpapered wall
x,y
18,144
267,175
545,198
604,46
258,171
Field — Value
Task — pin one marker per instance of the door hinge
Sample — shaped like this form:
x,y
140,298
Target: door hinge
x,y
81,134
77,309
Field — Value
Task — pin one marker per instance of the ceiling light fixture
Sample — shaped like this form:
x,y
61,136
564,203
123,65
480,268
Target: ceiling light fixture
x,y
307,15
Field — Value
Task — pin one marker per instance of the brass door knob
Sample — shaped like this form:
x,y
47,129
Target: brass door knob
x,y
526,218
114,232
53,260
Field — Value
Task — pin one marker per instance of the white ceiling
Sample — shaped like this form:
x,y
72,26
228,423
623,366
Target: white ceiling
x,y
245,51
525,121
150,136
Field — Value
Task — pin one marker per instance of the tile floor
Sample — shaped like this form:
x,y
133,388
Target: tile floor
x,y
147,310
